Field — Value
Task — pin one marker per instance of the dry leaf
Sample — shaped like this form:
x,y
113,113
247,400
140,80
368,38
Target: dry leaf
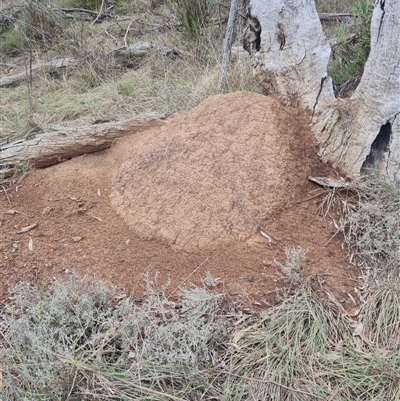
x,y
27,229
239,334
329,182
359,329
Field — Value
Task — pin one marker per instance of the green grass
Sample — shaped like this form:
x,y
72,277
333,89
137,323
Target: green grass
x,y
351,53
194,14
34,27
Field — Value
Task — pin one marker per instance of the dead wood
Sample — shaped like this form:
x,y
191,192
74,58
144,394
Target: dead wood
x,y
334,16
227,46
78,10
9,15
138,49
85,14
13,80
55,147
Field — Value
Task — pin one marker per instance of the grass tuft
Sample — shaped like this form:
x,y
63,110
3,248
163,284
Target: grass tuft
x,y
34,27
371,228
305,349
277,360
366,213
194,14
351,52
382,316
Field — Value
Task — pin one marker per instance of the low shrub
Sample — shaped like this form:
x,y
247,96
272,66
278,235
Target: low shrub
x,y
85,338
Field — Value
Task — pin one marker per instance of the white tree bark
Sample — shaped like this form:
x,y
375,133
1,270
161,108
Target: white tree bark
x,y
290,61
292,55
372,139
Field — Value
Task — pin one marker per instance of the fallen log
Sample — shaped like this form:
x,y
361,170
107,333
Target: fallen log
x,y
13,80
137,50
55,147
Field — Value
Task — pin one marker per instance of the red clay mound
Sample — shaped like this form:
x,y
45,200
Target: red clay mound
x,y
214,173
205,182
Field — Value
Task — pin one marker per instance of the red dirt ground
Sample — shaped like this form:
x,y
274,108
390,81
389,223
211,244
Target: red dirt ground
x,y
80,230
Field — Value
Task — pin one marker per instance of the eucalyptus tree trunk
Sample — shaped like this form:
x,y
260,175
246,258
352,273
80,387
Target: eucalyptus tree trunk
x,y
290,55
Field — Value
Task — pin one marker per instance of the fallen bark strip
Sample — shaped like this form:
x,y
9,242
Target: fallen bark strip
x,y
97,16
57,63
55,147
77,10
334,16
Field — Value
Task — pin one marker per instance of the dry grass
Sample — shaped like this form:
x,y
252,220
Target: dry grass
x,y
85,341
276,360
370,225
334,6
366,215
65,101
99,87
305,349
381,316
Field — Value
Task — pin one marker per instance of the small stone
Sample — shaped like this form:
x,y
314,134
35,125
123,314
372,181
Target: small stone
x,y
76,239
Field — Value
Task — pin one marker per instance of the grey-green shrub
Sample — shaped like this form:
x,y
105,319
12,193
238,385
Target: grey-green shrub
x,y
70,340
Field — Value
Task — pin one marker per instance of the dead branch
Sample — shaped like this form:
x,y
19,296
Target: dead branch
x,y
97,16
227,46
77,10
334,16
13,80
55,147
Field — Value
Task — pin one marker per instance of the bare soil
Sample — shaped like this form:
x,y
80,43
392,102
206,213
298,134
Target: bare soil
x,y
222,188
